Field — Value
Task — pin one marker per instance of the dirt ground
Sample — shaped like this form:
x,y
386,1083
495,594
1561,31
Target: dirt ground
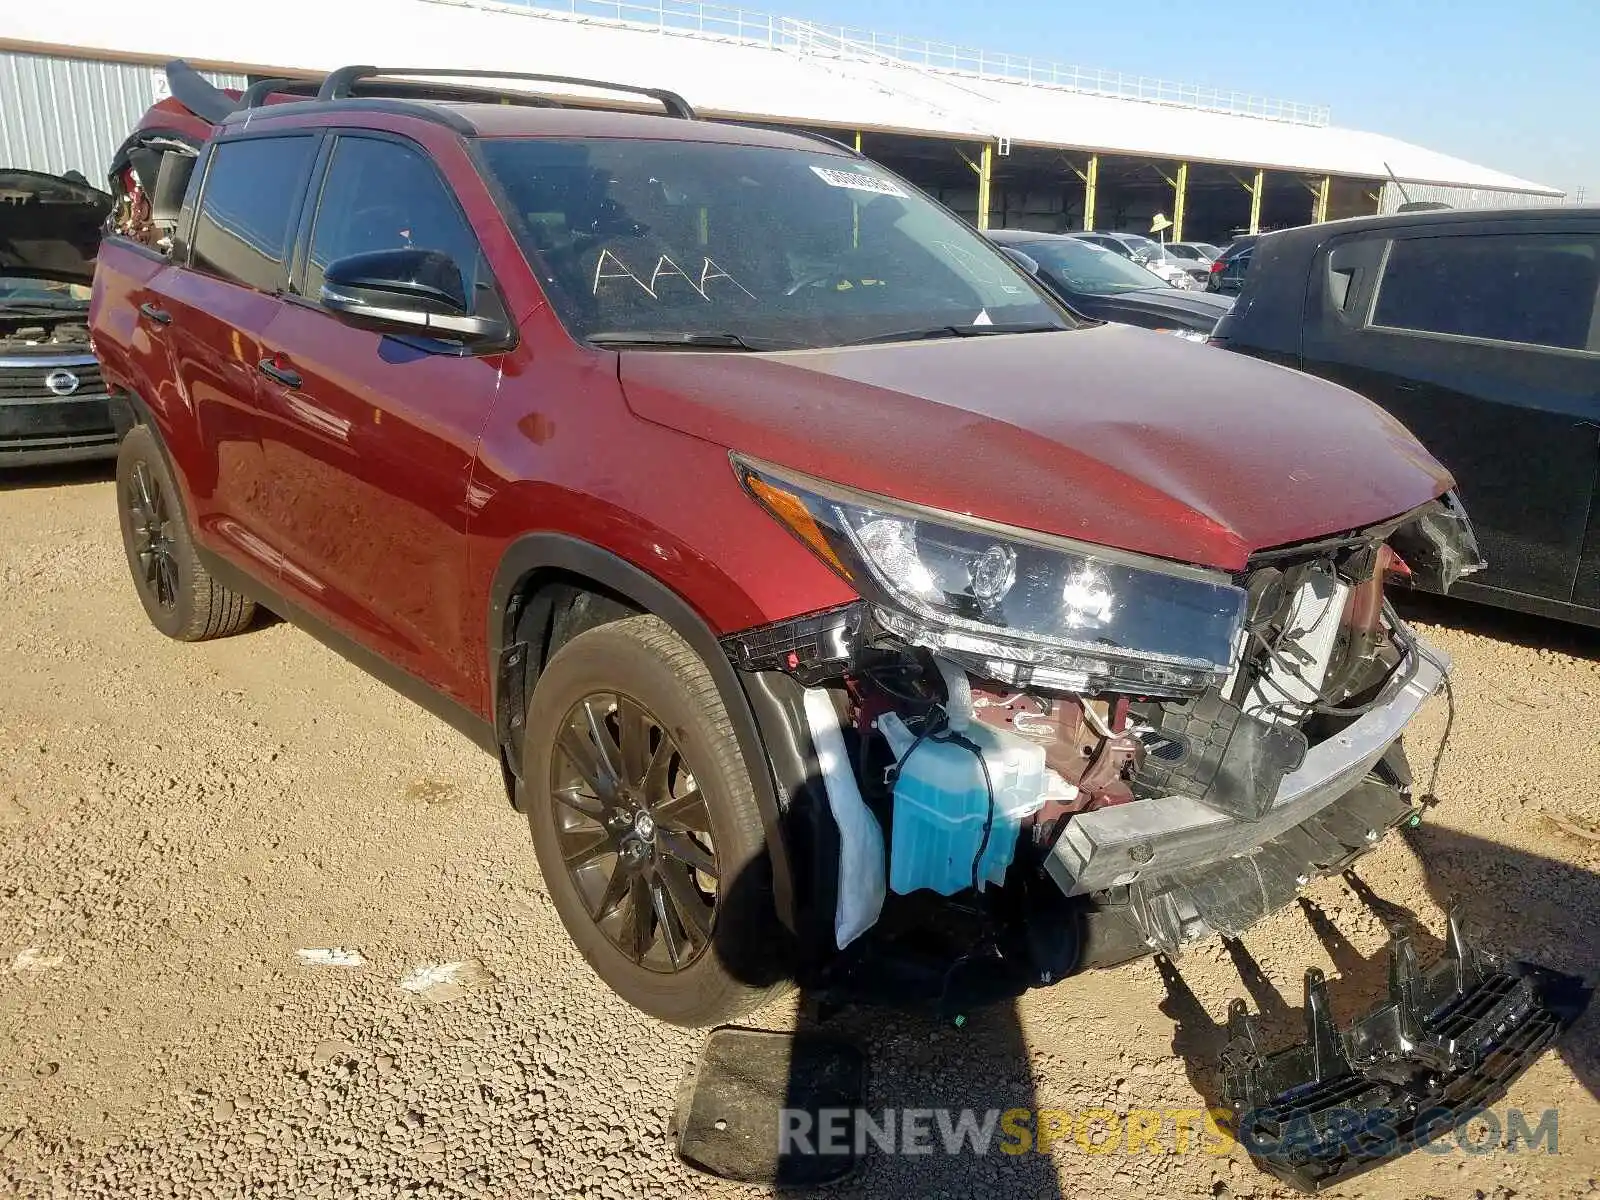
x,y
177,821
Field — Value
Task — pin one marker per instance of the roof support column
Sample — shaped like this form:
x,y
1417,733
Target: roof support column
x,y
1090,175
1320,212
1180,193
1091,188
984,169
1256,189
985,178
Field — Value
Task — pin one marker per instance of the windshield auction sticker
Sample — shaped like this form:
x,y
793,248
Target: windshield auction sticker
x,y
858,182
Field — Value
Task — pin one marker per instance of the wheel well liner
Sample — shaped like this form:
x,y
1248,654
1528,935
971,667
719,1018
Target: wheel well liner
x,y
533,564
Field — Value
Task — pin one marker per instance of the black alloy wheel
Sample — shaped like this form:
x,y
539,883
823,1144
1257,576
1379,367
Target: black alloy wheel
x,y
176,591
635,832
151,520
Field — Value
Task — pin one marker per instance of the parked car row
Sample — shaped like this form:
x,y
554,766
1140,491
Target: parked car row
x,y
1187,268
1107,286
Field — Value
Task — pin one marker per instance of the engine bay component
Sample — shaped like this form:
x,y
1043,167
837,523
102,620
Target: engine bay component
x,y
1446,1043
960,796
1298,638
1210,750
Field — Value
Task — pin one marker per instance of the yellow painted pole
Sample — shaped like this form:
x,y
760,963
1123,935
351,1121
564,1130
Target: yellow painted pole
x,y
1255,200
1323,188
985,175
1091,192
858,141
1180,192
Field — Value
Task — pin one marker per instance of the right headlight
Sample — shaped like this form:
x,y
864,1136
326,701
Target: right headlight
x,y
1019,606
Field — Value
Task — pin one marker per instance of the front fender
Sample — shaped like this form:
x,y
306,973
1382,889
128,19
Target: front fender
x,y
533,554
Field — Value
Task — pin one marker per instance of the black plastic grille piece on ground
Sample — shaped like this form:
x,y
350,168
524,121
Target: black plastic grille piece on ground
x,y
751,1085
1445,1044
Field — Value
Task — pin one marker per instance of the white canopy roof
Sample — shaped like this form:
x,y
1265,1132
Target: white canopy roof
x,y
767,68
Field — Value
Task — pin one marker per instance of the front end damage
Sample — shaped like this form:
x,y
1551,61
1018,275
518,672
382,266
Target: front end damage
x,y
1046,757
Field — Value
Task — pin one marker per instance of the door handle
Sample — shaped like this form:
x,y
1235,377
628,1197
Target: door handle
x,y
287,376
159,315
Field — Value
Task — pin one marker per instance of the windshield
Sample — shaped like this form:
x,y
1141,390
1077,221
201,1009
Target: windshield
x,y
1187,253
41,293
769,246
1084,267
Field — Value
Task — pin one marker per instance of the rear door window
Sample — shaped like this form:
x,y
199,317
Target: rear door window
x,y
1536,289
385,195
248,208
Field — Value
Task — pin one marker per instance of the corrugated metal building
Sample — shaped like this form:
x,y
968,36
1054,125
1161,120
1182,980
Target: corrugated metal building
x,y
64,114
1005,140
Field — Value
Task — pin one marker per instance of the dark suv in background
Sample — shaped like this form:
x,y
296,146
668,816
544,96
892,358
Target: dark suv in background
x,y
1480,331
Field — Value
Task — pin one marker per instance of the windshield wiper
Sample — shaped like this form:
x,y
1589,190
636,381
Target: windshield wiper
x,y
949,331
687,341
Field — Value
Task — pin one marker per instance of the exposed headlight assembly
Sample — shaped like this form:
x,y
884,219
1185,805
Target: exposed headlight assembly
x,y
1021,607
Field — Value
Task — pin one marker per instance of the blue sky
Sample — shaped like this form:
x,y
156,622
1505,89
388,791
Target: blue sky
x,y
1508,85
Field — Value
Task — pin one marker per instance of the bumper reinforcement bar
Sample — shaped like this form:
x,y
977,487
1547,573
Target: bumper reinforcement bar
x,y
1445,1044
1113,846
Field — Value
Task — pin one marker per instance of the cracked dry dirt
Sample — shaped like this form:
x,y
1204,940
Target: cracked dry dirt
x,y
177,821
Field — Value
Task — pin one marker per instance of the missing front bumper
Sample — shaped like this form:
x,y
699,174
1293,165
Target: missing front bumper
x,y
1149,839
1445,1044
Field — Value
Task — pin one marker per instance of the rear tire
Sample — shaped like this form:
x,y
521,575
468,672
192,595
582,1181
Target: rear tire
x,y
179,595
653,852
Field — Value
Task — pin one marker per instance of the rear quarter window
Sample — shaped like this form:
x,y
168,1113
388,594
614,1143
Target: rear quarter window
x,y
1534,289
248,208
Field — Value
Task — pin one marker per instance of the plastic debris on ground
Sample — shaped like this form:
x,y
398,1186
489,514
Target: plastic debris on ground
x,y
35,959
1445,1045
731,1112
330,956
440,982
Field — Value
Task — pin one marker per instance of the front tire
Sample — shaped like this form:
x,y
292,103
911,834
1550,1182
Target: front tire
x,y
646,828
179,595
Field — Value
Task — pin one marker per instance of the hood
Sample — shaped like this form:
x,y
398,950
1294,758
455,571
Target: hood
x,y
1158,308
50,226
1112,435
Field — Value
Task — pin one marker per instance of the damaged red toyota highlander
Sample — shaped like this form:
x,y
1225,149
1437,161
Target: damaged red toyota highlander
x,y
813,575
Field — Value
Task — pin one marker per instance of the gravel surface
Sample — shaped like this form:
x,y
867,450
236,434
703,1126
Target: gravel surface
x,y
177,822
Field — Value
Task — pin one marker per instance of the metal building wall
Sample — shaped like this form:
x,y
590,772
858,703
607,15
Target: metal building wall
x,y
68,114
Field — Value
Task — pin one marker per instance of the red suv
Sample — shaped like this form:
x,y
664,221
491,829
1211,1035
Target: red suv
x,y
814,576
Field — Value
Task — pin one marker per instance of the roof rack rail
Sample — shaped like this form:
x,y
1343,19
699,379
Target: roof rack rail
x,y
256,94
338,85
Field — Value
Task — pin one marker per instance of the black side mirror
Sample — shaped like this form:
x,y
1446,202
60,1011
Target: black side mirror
x,y
1027,262
405,290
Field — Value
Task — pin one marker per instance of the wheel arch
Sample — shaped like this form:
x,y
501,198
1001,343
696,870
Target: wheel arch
x,y
536,587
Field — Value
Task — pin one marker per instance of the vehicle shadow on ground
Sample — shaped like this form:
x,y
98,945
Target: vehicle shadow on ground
x,y
14,479
1501,624
1514,904
1526,906
936,1046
